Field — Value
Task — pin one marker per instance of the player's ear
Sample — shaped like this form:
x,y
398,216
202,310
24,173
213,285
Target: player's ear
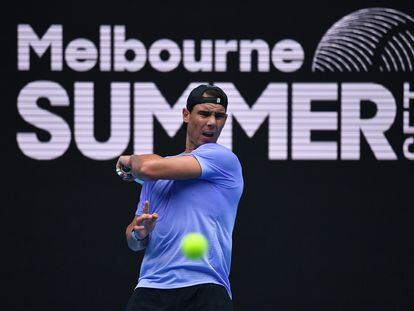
x,y
186,115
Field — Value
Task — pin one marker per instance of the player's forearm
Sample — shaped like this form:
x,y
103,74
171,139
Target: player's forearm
x,y
133,243
140,163
137,245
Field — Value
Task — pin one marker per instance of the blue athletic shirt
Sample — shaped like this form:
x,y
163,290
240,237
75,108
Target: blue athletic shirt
x,y
207,205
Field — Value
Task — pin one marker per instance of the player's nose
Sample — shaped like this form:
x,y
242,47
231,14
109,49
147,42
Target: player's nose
x,y
212,121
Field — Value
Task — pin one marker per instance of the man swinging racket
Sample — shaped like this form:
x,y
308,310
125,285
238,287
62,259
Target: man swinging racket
x,y
195,191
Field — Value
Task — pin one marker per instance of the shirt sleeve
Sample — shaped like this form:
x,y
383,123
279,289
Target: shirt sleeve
x,y
218,164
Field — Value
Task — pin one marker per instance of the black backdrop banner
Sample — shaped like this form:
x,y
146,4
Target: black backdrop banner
x,y
321,115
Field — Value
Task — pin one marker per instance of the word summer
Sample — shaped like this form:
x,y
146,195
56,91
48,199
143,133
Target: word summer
x,y
288,109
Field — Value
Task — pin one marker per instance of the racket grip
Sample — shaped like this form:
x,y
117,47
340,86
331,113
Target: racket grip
x,y
125,169
139,181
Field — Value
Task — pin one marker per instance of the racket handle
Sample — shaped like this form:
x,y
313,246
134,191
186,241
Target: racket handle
x,y
139,181
125,169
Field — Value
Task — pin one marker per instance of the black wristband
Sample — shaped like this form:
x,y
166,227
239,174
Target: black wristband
x,y
136,238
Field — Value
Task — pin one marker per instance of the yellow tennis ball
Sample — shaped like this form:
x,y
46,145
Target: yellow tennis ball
x,y
194,245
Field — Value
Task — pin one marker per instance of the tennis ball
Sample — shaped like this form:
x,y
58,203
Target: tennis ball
x,y
194,245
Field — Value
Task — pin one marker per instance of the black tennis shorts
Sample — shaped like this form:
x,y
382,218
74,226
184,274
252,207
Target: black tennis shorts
x,y
202,297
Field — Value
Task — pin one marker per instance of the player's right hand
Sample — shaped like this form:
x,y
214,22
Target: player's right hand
x,y
145,223
123,168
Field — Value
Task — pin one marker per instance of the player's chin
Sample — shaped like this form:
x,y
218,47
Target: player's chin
x,y
208,139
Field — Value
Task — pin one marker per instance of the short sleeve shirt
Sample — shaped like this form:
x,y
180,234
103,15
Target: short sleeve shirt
x,y
207,205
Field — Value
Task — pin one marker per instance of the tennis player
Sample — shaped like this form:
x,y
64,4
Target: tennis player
x,y
195,191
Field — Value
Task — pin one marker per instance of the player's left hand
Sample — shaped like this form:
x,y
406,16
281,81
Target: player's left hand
x,y
145,223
